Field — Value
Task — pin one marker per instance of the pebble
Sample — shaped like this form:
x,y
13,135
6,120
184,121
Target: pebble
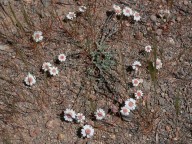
x,y
139,36
34,132
168,128
190,118
93,97
60,136
103,136
4,2
171,41
163,87
161,101
163,94
116,130
178,19
52,123
113,136
46,3
190,110
153,18
186,2
146,85
6,48
159,31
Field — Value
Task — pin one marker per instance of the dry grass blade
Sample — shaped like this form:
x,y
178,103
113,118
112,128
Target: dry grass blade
x,y
20,26
26,17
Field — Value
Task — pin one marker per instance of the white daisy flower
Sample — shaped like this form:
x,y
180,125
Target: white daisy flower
x,y
127,11
135,82
137,16
125,111
71,15
46,66
69,115
87,131
158,63
136,65
138,94
30,80
117,9
130,104
100,114
82,8
80,117
148,48
37,36
53,71
62,57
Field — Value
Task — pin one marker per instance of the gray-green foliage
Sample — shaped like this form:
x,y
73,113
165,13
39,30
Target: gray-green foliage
x,y
102,57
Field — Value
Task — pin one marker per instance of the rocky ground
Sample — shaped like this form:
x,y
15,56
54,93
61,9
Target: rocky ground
x,y
35,114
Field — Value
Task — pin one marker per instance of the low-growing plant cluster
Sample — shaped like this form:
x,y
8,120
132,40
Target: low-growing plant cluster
x,y
103,60
92,43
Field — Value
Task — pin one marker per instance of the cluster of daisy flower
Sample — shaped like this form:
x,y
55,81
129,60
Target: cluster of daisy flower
x,y
158,61
87,130
127,11
130,104
53,71
46,67
72,15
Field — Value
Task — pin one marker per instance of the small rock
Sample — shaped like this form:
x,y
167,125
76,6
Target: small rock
x,y
139,36
161,101
116,130
93,97
186,2
168,128
52,123
34,132
4,2
190,110
178,19
190,118
159,31
60,136
46,3
146,85
171,41
153,18
5,48
163,94
163,87
113,136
